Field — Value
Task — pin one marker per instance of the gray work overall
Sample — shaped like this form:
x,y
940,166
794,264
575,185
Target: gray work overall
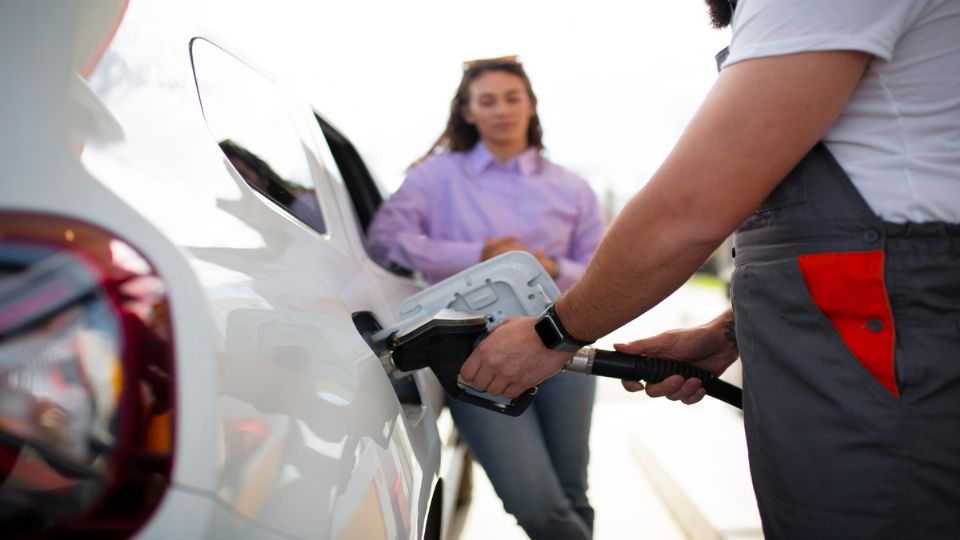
x,y
849,331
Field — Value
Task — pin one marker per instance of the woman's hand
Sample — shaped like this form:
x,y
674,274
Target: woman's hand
x,y
499,246
711,347
550,265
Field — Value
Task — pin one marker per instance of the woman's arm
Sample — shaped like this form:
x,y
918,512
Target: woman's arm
x,y
584,240
399,233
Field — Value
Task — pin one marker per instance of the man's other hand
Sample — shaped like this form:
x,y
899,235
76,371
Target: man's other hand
x,y
711,347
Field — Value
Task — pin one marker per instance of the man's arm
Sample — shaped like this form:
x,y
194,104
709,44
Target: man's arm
x,y
759,119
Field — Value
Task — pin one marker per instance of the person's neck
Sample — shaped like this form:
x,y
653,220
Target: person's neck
x,y
506,151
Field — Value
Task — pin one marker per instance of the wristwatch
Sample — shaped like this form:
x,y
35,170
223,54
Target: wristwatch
x,y
554,335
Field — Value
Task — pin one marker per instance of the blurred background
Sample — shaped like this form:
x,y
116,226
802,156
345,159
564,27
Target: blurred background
x,y
616,82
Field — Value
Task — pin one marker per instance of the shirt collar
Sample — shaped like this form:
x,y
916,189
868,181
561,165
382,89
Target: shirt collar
x,y
479,158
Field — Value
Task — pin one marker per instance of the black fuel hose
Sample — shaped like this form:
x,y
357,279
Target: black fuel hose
x,y
653,369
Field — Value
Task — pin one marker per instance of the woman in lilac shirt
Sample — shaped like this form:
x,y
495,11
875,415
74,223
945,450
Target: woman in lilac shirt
x,y
483,189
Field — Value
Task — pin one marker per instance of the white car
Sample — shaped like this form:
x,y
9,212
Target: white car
x,y
184,299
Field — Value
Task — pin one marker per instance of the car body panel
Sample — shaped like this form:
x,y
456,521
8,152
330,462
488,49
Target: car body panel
x,y
286,420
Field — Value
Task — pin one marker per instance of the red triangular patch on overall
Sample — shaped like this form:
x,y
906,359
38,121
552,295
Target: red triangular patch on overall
x,y
849,289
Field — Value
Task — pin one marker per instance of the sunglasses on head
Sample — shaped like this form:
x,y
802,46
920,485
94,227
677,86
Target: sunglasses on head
x,y
484,62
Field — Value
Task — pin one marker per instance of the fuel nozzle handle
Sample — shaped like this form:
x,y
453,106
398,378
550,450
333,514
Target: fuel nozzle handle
x,y
651,369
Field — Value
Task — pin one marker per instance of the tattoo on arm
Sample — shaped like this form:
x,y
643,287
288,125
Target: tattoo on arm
x,y
730,332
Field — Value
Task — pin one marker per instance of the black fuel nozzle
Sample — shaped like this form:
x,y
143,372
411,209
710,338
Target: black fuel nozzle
x,y
443,343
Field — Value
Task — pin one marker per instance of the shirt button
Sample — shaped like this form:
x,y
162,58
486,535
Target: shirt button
x,y
870,236
875,325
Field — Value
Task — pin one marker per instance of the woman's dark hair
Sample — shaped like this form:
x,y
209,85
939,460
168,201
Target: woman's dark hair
x,y
460,136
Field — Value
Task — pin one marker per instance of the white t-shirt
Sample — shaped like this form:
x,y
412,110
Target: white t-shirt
x,y
898,138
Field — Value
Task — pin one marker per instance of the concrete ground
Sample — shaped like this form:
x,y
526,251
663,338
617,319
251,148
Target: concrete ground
x,y
659,470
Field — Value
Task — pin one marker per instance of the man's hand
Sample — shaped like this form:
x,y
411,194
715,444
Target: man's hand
x,y
512,359
711,347
499,246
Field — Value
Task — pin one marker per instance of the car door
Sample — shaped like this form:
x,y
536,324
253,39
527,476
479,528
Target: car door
x,y
315,440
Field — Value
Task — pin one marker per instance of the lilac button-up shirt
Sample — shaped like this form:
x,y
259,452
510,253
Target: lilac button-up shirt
x,y
452,203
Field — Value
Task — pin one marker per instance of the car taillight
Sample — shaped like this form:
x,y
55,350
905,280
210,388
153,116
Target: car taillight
x,y
86,380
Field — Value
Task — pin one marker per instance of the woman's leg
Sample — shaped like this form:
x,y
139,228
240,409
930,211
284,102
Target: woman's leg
x,y
513,454
565,409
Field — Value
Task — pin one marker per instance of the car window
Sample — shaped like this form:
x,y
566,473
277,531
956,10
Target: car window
x,y
364,193
251,122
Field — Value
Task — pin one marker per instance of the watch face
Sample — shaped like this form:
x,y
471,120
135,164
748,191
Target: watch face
x,y
548,332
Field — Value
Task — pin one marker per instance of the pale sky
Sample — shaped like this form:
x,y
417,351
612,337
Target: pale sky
x,y
616,80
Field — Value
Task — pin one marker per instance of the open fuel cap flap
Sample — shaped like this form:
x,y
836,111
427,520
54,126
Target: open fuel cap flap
x,y
441,325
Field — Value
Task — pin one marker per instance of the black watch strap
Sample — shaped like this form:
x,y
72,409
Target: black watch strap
x,y
553,334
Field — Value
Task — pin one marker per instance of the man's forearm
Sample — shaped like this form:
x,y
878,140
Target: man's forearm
x,y
758,121
644,257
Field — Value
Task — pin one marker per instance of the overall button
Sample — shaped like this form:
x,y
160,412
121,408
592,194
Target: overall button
x,y
875,325
871,236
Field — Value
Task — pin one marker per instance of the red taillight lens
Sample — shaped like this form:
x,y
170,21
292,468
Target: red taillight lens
x,y
86,397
